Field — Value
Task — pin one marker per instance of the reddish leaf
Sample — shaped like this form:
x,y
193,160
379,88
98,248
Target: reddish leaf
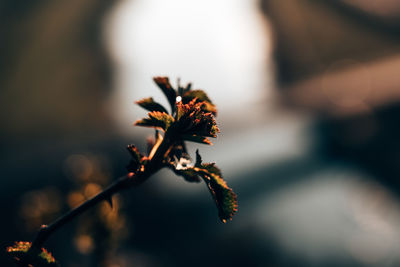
x,y
166,88
201,96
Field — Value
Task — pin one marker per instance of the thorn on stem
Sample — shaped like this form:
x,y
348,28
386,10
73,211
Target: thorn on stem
x,y
109,200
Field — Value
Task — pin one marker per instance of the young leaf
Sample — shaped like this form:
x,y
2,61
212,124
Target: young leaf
x,y
19,251
183,90
193,120
166,88
156,119
201,96
212,168
189,174
151,105
197,139
224,197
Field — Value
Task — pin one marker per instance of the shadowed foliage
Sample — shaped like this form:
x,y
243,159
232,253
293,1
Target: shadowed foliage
x,y
191,119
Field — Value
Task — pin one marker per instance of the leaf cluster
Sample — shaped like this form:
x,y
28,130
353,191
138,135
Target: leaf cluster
x,y
191,118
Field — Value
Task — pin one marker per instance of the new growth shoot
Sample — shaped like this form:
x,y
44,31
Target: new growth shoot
x,y
189,117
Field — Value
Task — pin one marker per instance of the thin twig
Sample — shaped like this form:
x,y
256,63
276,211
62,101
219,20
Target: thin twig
x,y
46,230
124,182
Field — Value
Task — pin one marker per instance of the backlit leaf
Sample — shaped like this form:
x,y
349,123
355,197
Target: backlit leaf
x,y
182,90
166,88
197,139
151,105
156,119
201,96
192,120
224,197
189,174
212,168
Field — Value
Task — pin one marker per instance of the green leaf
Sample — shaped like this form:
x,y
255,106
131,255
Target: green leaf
x,y
19,251
151,105
156,119
197,139
201,96
212,168
192,94
224,197
189,174
166,88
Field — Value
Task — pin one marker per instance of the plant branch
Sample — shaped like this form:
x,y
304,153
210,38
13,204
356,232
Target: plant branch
x,y
191,119
124,182
46,230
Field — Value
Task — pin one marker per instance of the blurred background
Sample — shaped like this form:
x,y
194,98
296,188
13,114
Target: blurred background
x,y
309,104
